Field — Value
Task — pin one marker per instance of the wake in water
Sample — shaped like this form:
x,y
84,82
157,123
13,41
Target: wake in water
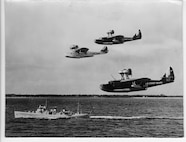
x,y
135,117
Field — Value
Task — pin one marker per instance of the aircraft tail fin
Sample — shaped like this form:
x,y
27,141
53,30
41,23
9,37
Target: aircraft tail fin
x,y
168,76
104,50
139,36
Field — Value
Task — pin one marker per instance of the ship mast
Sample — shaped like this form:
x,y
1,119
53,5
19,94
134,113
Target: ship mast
x,y
78,108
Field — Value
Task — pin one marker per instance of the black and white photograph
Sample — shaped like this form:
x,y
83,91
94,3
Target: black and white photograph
x,y
93,69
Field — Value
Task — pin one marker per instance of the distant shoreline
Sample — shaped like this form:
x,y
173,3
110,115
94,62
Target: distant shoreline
x,y
86,95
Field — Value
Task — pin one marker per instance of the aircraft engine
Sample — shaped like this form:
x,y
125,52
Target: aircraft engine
x,y
74,47
129,71
125,73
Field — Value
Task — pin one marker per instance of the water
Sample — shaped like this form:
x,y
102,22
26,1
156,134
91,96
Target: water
x,y
110,117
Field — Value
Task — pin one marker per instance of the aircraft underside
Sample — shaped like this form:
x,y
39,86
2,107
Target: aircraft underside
x,y
107,88
79,56
107,42
124,90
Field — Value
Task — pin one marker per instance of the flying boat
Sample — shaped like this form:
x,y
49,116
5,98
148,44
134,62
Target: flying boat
x,y
117,39
127,84
84,52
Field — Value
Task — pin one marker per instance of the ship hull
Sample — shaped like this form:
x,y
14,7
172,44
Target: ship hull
x,y
45,115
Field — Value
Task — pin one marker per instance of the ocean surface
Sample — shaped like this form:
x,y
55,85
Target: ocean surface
x,y
109,117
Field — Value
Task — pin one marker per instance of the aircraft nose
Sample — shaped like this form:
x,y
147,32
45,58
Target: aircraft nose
x,y
67,55
101,86
97,41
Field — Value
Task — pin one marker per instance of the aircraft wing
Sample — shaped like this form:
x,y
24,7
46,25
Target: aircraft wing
x,y
82,50
138,80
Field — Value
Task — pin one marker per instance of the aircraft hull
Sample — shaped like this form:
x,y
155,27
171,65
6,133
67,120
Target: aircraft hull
x,y
98,41
78,57
108,88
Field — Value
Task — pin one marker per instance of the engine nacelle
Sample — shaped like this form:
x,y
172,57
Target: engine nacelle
x,y
125,73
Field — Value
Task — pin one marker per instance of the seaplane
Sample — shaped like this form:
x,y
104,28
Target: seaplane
x,y
83,52
127,84
118,39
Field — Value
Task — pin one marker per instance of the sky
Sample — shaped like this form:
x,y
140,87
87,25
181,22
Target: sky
x,y
39,34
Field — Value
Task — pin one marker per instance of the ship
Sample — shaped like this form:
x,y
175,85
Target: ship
x,y
43,113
